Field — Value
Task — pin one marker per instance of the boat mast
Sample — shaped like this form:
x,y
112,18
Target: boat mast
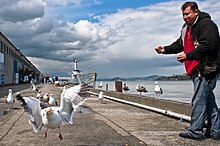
x,y
75,72
75,64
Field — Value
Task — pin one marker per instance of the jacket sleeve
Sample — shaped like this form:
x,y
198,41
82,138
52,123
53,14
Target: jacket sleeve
x,y
175,47
207,37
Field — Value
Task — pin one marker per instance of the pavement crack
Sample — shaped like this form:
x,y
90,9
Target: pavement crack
x,y
7,120
10,127
115,126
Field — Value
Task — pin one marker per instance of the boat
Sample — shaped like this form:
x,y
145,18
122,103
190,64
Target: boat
x,y
82,78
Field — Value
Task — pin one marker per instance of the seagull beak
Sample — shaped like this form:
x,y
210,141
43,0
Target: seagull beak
x,y
49,110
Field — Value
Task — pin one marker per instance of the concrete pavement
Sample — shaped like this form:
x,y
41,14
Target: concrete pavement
x,y
108,124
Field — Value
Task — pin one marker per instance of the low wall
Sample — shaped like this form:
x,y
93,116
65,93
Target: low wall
x,y
174,106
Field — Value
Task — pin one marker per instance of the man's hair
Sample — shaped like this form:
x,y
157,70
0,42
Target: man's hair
x,y
193,6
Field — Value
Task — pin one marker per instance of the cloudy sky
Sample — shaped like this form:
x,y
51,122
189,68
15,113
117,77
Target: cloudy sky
x,y
111,37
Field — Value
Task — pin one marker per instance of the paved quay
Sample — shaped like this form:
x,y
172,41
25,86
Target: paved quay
x,y
107,124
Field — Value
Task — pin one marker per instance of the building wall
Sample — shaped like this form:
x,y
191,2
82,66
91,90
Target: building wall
x,y
14,63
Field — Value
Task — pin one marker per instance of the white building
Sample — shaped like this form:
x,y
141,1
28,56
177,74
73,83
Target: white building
x,y
15,68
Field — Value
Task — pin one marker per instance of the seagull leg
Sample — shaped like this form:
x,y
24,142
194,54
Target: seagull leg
x,y
60,135
45,135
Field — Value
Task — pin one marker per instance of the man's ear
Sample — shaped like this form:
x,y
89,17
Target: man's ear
x,y
197,12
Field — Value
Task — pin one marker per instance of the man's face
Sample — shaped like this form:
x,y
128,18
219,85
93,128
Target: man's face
x,y
189,16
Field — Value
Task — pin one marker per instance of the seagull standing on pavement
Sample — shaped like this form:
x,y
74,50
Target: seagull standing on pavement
x,y
157,90
52,100
39,95
52,117
100,85
125,87
141,89
46,98
10,100
100,97
34,87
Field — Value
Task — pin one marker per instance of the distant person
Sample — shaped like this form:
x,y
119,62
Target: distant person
x,y
30,78
45,80
56,78
199,44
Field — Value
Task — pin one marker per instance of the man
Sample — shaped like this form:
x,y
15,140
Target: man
x,y
198,46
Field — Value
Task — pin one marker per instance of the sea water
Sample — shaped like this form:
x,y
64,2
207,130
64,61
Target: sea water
x,y
172,90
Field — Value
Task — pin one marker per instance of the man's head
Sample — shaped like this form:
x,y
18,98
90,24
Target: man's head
x,y
190,12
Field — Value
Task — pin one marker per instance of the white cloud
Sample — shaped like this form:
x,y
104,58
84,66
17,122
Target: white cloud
x,y
116,41
21,10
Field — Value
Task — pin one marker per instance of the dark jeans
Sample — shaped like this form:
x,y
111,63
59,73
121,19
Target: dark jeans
x,y
204,107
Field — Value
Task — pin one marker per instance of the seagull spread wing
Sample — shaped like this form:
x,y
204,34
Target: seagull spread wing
x,y
32,107
74,89
70,100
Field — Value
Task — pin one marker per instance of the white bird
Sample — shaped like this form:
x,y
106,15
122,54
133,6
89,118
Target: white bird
x,y
100,85
31,83
125,87
52,100
10,100
46,98
75,89
52,117
34,87
100,97
39,95
141,89
157,90
57,83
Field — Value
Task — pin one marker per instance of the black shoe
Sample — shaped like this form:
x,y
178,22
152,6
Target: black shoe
x,y
207,134
215,137
188,136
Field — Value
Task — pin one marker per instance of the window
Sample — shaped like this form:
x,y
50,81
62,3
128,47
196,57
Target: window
x,y
4,48
1,45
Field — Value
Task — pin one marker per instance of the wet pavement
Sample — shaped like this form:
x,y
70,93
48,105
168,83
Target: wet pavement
x,y
107,124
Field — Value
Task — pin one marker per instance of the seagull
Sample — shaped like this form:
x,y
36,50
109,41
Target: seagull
x,y
100,97
52,100
10,100
141,89
52,117
100,85
57,83
32,83
125,87
34,87
157,90
46,98
39,95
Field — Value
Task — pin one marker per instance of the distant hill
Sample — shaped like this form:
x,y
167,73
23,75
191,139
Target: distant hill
x,y
174,78
153,77
150,78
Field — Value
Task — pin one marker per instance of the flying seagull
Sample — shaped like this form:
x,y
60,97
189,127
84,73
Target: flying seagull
x,y
52,117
